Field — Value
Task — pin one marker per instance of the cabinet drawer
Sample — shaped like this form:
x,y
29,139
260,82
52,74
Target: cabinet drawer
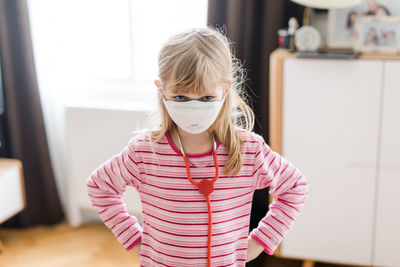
x,y
330,127
387,234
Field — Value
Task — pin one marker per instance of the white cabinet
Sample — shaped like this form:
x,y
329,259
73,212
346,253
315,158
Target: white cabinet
x,y
12,189
340,124
387,240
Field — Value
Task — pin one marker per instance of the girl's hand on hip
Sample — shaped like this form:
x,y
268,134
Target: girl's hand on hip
x,y
253,249
136,248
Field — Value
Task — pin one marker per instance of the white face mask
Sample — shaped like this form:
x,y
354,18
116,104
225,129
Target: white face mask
x,y
193,116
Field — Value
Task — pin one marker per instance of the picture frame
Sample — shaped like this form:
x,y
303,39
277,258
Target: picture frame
x,y
377,34
341,22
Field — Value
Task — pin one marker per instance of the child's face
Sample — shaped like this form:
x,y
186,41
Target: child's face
x,y
214,94
381,12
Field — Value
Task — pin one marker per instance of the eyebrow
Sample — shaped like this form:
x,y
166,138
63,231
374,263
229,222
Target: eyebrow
x,y
206,93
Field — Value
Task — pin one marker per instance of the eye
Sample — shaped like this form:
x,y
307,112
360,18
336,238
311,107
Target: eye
x,y
180,97
207,98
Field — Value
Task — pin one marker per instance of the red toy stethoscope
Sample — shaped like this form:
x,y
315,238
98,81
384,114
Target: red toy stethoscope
x,y
206,187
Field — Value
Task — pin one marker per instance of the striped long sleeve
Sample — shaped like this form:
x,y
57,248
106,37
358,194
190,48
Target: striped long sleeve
x,y
290,188
106,186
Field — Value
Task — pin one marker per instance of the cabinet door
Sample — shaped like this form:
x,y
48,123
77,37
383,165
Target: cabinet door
x,y
330,131
387,244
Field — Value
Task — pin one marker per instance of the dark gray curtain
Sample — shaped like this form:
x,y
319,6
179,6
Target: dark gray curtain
x,y
22,122
252,26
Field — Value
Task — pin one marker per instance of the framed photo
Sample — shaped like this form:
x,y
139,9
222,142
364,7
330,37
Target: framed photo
x,y
377,34
341,31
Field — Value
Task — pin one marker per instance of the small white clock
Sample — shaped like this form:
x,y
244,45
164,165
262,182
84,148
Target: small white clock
x,y
307,38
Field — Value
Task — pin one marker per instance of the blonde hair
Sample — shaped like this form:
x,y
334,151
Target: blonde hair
x,y
195,60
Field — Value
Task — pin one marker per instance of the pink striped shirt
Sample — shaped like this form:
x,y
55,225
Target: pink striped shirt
x,y
174,231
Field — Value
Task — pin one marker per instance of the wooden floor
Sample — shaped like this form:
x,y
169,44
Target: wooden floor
x,y
91,244
61,245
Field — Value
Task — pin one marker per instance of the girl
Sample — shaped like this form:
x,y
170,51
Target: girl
x,y
196,166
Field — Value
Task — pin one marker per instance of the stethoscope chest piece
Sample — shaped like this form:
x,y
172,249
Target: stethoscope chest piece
x,y
206,187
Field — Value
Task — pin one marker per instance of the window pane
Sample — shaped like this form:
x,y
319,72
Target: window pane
x,y
153,22
106,49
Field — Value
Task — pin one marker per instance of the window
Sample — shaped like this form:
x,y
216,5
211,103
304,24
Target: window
x,y
105,50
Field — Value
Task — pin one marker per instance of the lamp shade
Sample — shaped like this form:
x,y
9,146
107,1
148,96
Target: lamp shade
x,y
328,4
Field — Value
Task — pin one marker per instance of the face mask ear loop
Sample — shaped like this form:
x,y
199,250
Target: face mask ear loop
x,y
162,93
225,93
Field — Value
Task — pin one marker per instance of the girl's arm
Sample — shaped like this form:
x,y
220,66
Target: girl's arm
x,y
106,186
290,187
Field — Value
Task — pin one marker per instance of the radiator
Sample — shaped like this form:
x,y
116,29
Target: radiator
x,y
94,134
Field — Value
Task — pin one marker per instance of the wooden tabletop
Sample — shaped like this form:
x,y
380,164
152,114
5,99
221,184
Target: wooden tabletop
x,y
285,53
7,163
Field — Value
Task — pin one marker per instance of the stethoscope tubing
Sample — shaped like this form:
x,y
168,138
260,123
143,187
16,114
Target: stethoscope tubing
x,y
206,187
